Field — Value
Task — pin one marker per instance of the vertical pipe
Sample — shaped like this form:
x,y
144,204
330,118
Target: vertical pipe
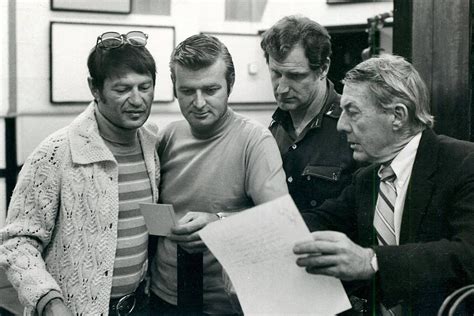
x,y
10,156
10,120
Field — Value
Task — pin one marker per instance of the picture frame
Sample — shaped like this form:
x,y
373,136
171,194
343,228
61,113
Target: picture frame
x,y
109,6
252,79
354,1
70,45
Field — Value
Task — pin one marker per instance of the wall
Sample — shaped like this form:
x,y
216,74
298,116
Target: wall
x,y
37,117
441,52
25,58
325,14
187,16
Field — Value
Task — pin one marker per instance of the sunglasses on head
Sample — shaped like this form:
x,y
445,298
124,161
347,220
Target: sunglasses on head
x,y
110,40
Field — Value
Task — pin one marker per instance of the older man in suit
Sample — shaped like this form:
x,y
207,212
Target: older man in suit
x,y
403,231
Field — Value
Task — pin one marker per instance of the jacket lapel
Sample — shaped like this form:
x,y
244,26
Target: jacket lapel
x,y
420,188
148,135
86,144
368,185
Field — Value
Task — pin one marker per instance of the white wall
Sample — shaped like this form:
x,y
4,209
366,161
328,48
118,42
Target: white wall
x,y
38,117
325,14
3,58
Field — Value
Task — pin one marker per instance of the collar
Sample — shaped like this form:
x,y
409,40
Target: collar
x,y
87,146
330,108
402,164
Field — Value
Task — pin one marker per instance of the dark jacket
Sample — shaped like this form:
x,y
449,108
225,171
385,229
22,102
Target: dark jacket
x,y
318,164
436,251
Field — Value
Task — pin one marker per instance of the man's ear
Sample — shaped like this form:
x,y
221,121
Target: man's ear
x,y
325,69
400,116
231,86
94,91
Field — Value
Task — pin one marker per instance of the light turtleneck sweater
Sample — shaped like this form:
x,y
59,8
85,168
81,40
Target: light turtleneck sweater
x,y
233,167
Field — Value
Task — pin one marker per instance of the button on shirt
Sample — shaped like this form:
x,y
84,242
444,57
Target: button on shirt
x,y
318,163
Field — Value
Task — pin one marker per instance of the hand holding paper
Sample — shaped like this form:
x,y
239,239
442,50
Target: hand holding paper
x,y
186,233
334,254
256,249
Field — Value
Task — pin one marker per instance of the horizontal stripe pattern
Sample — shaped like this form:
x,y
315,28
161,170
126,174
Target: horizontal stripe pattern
x,y
132,236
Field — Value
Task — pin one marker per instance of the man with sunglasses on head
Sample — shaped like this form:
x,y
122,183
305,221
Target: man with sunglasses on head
x,y
214,163
75,241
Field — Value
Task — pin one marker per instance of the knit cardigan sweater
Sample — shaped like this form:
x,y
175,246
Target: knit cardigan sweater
x,y
61,229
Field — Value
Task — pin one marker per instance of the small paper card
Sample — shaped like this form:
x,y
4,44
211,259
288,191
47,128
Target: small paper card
x,y
159,218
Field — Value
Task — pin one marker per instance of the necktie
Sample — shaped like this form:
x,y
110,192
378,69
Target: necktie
x,y
384,222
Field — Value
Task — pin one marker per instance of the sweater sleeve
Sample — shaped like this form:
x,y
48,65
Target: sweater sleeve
x,y
30,224
265,178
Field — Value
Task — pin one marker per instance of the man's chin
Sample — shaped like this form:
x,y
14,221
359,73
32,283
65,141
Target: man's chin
x,y
360,157
287,106
135,124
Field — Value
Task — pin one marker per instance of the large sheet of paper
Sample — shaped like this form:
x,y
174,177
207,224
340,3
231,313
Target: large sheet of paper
x,y
255,248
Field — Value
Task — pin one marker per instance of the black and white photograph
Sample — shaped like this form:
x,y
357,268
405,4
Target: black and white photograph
x,y
236,157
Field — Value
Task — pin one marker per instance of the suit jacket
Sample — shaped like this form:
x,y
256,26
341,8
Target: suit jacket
x,y
436,251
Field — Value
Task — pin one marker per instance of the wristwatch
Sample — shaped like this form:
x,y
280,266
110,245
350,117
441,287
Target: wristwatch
x,y
373,262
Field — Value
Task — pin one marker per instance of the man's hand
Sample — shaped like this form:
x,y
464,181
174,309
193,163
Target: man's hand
x,y
334,254
186,232
56,307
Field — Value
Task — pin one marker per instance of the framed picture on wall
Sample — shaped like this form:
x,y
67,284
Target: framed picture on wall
x,y
252,78
109,6
70,44
354,1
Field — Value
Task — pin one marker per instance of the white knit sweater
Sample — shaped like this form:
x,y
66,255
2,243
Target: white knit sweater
x,y
61,230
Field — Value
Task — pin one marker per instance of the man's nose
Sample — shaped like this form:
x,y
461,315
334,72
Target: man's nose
x,y
282,86
342,124
199,100
135,97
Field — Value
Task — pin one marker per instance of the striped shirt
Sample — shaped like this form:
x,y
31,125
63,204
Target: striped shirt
x,y
132,236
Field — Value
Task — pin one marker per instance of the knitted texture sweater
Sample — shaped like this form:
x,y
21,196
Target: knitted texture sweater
x,y
61,229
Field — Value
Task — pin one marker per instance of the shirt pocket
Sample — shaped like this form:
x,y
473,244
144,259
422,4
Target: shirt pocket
x,y
329,173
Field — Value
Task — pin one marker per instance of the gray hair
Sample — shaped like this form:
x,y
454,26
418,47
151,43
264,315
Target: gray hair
x,y
392,79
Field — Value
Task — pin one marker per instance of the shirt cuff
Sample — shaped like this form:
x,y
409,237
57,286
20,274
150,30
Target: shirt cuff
x,y
45,300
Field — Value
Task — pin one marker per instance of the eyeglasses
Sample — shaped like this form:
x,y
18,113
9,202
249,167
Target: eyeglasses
x,y
110,40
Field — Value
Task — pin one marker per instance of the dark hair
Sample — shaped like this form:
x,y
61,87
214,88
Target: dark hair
x,y
106,63
281,38
392,79
201,51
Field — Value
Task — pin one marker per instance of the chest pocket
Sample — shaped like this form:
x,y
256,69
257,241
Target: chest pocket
x,y
330,173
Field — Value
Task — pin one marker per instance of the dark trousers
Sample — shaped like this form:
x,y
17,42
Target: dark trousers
x,y
163,308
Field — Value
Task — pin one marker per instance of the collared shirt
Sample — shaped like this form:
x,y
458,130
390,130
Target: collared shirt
x,y
402,166
318,163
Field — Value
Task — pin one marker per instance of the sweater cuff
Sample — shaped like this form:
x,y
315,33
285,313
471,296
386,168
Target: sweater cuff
x,y
45,300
